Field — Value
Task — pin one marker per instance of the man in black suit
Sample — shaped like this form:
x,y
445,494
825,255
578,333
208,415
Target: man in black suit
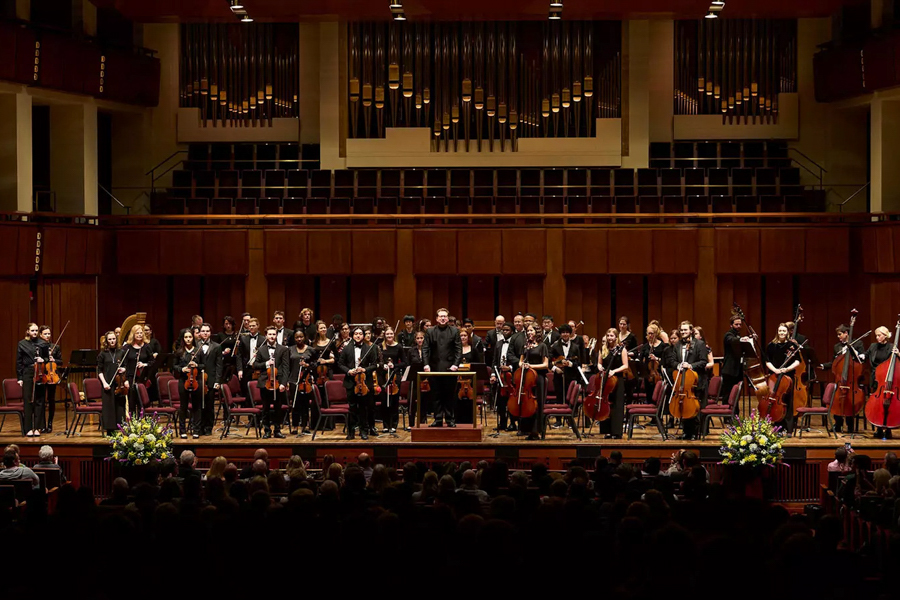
x,y
566,349
490,340
517,341
283,335
268,355
498,365
732,369
211,362
689,354
549,334
246,353
356,358
442,350
407,337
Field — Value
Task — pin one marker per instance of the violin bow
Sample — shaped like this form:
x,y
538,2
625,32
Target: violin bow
x,y
59,337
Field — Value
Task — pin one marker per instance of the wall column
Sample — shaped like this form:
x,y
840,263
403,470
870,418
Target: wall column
x,y
661,86
308,100
15,152
885,164
637,112
330,97
73,157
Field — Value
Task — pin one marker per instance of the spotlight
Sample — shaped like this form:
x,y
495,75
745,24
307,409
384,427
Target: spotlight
x,y
400,17
247,19
712,15
556,4
236,5
555,16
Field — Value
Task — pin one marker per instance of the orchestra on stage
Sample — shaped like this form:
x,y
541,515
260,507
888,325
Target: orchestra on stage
x,y
532,373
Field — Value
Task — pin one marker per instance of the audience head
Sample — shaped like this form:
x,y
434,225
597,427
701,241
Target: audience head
x,y
217,468
187,459
10,458
469,478
45,454
260,468
364,460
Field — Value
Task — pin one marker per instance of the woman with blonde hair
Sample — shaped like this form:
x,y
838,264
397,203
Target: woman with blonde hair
x,y
217,468
137,356
880,351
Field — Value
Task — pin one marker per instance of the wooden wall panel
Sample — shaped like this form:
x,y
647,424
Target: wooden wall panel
x,y
372,296
436,291
72,300
745,290
737,250
329,252
286,252
670,300
435,252
480,300
18,312
181,252
332,298
223,295
77,252
520,293
524,252
137,253
479,252
779,304
374,252
630,302
186,301
292,293
827,250
885,302
587,251
675,251
27,244
630,251
9,250
225,252
782,250
53,251
588,299
119,297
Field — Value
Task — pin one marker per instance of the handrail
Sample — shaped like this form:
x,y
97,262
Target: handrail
x,y
165,160
119,202
800,152
822,170
864,186
152,172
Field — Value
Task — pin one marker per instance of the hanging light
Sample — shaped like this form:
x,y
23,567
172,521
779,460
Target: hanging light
x,y
555,16
712,15
400,17
237,5
247,19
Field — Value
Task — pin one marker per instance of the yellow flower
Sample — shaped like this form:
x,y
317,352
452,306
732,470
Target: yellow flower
x,y
743,442
164,456
137,461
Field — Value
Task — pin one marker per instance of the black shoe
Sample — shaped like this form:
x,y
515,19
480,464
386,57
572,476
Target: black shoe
x,y
511,428
351,435
294,432
267,434
532,437
451,423
48,428
374,432
363,435
608,436
306,431
437,424
278,434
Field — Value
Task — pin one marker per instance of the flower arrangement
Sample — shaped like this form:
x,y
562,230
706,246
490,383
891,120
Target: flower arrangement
x,y
752,441
140,441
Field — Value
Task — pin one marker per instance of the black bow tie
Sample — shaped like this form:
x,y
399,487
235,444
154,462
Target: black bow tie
x,y
358,345
253,337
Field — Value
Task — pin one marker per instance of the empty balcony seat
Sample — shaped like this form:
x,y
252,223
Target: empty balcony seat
x,y
530,182
266,155
275,180
623,180
320,183
197,158
344,183
289,157
660,155
576,182
554,182
367,183
483,182
436,182
228,184
648,182
684,155
507,182
413,183
390,183
766,181
601,182
251,184
243,157
742,182
460,182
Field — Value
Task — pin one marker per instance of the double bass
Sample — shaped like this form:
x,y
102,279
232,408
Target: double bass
x,y
596,405
801,373
522,403
683,403
754,365
883,406
849,376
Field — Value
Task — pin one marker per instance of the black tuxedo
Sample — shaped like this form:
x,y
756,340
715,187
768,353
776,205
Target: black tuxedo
x,y
270,397
285,337
211,362
442,350
732,369
361,406
562,380
697,356
550,338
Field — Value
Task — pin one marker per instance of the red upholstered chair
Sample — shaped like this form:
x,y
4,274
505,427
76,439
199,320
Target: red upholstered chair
x,y
82,409
162,384
714,390
566,410
404,401
234,385
232,409
339,411
168,412
652,410
806,413
13,403
174,387
255,398
93,391
335,393
727,411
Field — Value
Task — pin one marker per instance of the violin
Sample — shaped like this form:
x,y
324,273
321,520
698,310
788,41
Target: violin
x,y
653,374
801,373
466,391
304,383
883,407
390,385
849,376
271,375
523,403
684,404
360,389
596,405
425,386
193,381
49,375
322,370
119,384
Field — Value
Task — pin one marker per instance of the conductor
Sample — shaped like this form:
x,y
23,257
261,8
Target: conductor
x,y
441,352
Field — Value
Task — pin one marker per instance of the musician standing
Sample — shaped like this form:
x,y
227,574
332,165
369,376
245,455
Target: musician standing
x,y
613,360
689,353
137,357
211,362
501,365
48,390
272,354
653,356
283,336
778,363
357,358
407,337
857,353
301,359
392,362
246,354
534,356
28,360
475,341
186,359
113,405
566,363
732,367
442,350
880,351
490,340
307,323
549,333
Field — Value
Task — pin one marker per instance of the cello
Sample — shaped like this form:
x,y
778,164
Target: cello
x,y
801,373
779,384
596,405
848,374
523,403
883,406
754,366
683,403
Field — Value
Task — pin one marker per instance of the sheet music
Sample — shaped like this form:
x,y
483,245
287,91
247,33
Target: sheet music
x,y
405,374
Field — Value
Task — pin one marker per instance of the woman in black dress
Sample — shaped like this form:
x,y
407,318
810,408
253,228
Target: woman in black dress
x,y
48,390
470,354
880,351
392,364
415,358
627,338
137,357
301,356
28,360
777,354
184,362
227,338
536,357
113,406
652,355
324,352
614,361
155,349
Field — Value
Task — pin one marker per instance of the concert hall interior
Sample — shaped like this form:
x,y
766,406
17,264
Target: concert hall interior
x,y
570,239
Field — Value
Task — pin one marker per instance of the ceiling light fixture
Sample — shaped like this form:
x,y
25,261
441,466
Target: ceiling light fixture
x,y
236,5
556,4
719,3
247,19
400,17
555,16
712,15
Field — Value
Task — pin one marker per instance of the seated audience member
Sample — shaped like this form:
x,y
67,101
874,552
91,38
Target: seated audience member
x,y
470,487
47,460
120,491
186,465
260,454
13,471
892,463
217,468
840,464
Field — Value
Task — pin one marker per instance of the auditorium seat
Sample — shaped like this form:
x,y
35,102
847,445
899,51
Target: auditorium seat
x,y
297,183
269,206
746,204
576,182
553,205
766,181
722,204
221,206
730,155
673,204
483,182
367,183
768,204
684,156
197,206
251,184
649,205
309,156
505,205
386,206
754,154
458,205
742,182
266,154
625,205
460,182
172,206
204,184
482,205
220,157
698,204
436,182
294,206
623,182
708,155
317,206
695,182
344,183
530,205
274,183
390,183
243,157
245,206
228,184
530,182
777,154
339,206
435,205
660,155
197,158
507,182
413,183
576,205
648,182
289,157
320,183
789,181
410,205
182,184
601,182
794,204
671,182
364,206
718,182
602,205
